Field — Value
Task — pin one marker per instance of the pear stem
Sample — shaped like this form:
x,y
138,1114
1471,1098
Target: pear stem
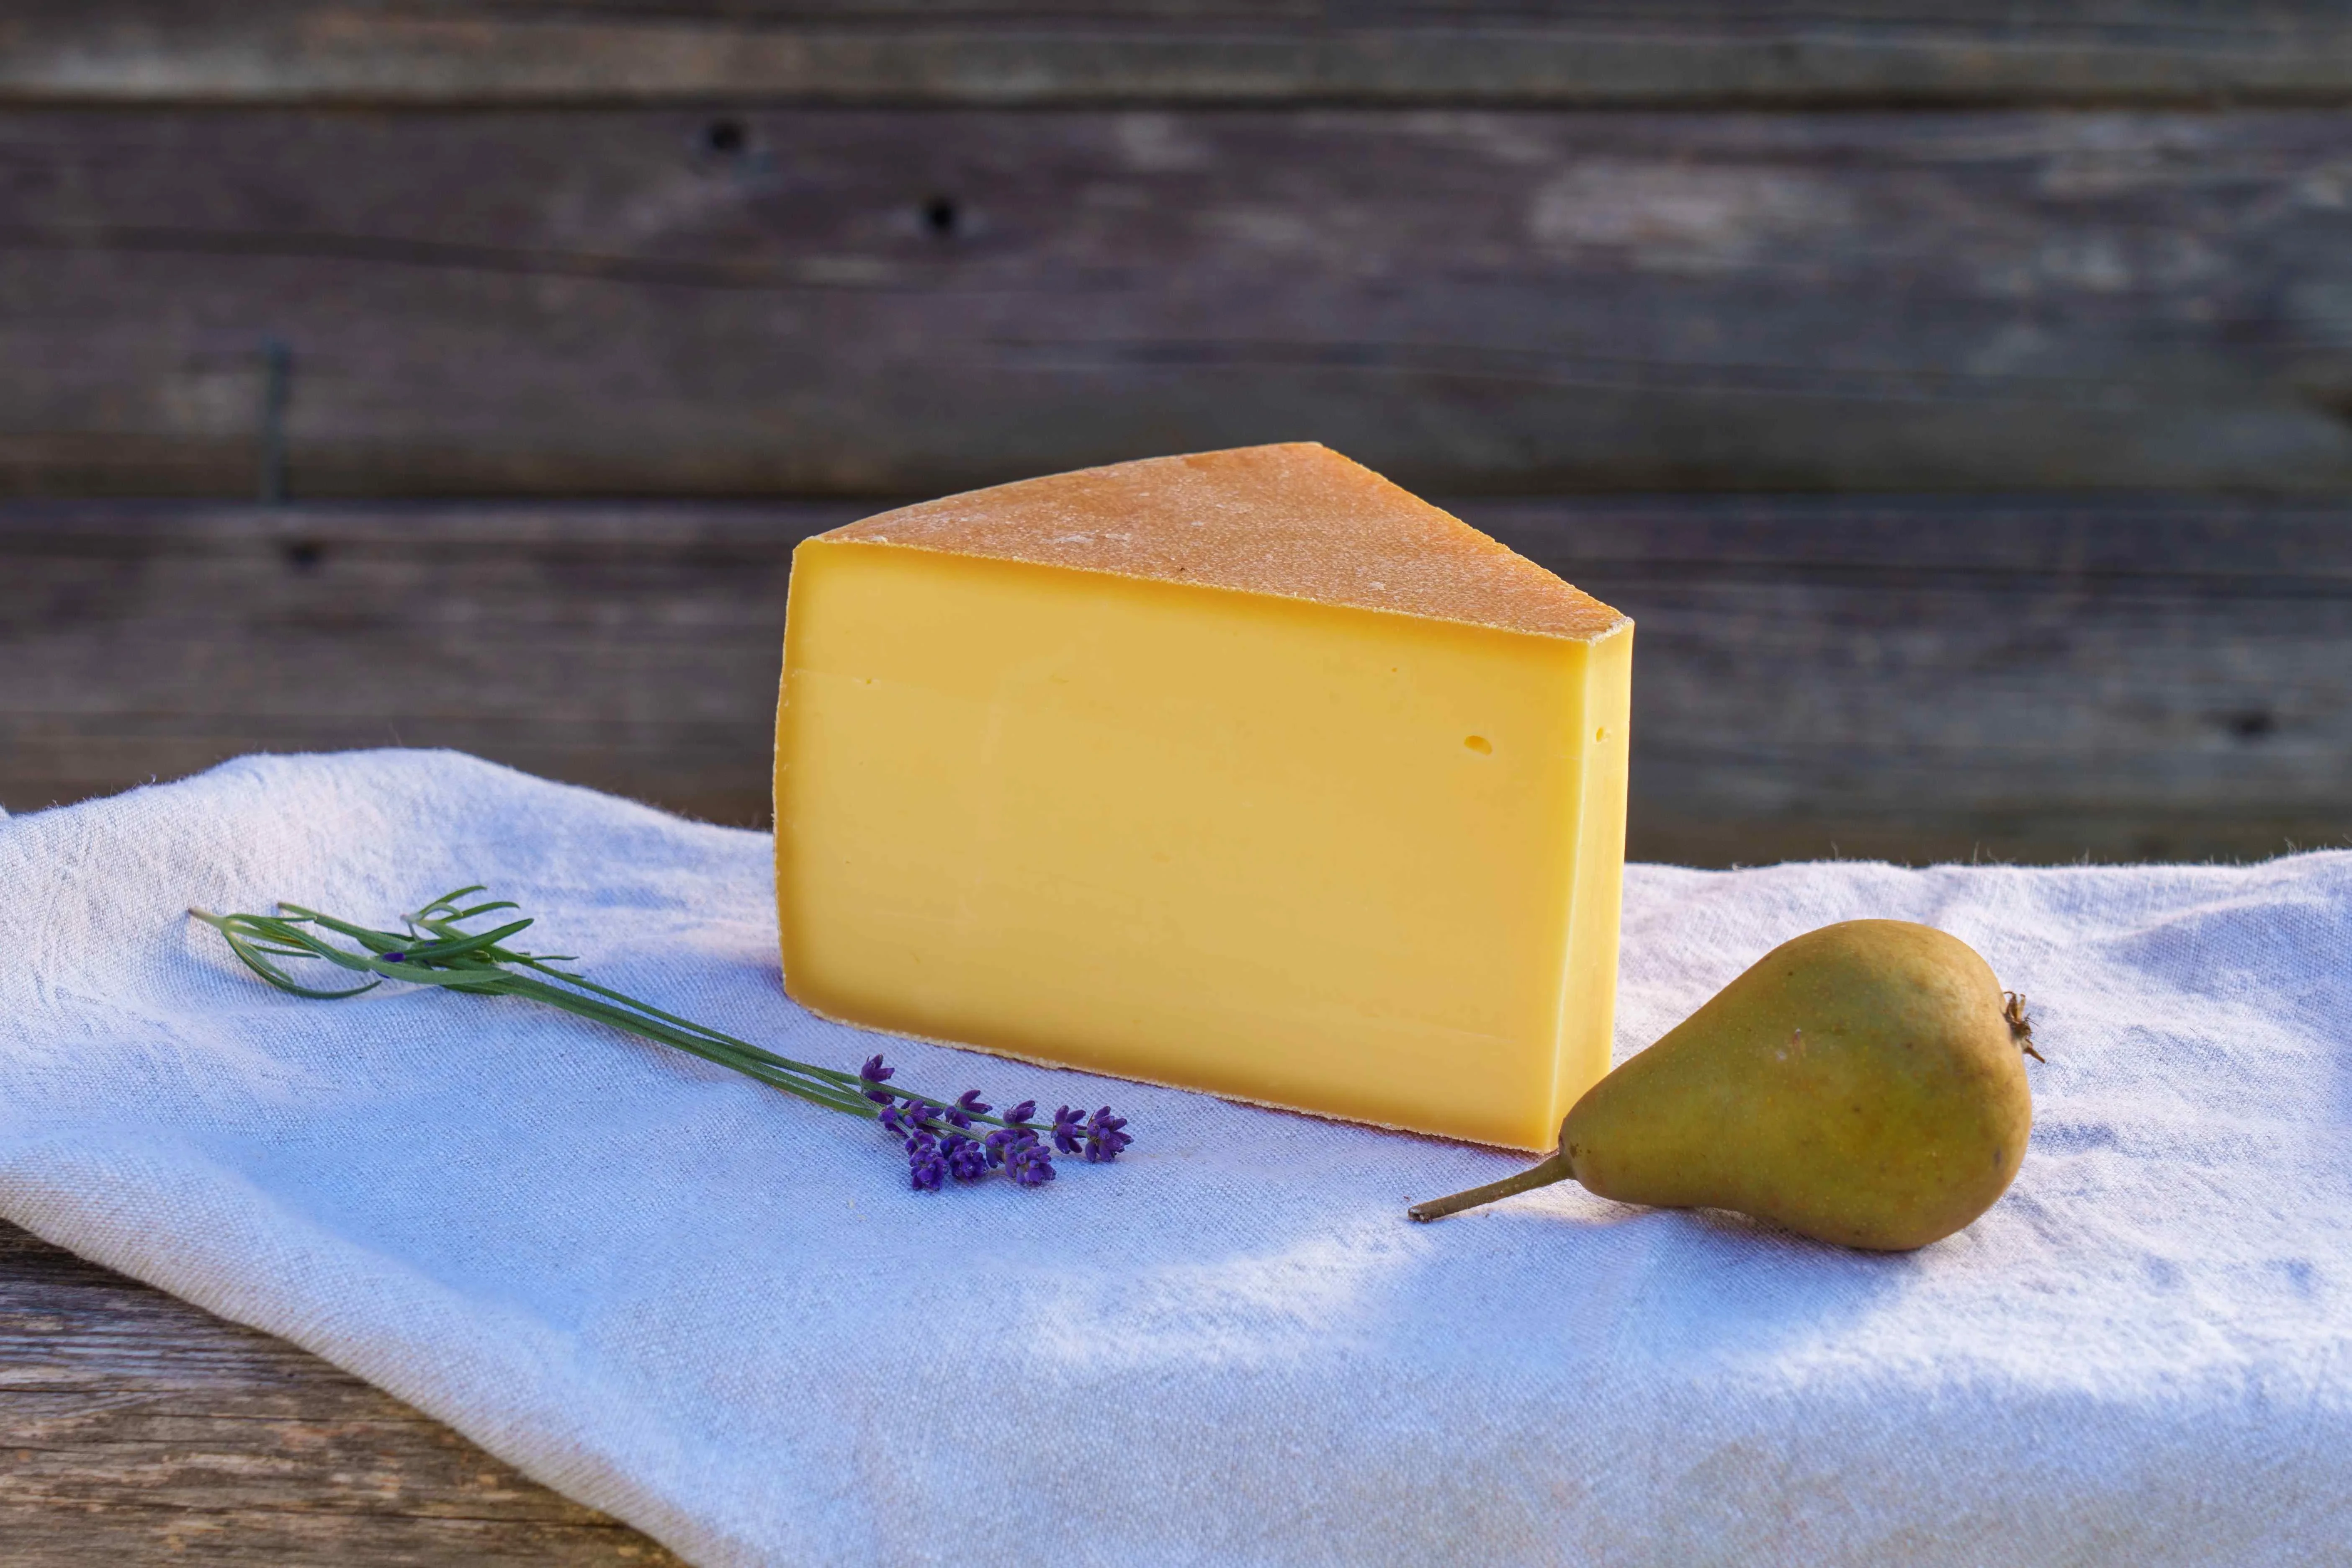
x,y
1555,1169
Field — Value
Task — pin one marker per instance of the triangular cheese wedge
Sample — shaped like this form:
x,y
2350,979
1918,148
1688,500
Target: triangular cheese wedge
x,y
1245,772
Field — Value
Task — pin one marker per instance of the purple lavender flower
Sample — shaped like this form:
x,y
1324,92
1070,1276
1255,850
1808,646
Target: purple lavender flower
x,y
925,1169
1103,1138
941,1143
1029,1164
874,1073
967,1161
395,958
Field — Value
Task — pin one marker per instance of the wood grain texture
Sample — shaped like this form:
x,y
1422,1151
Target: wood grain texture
x,y
984,51
1920,678
634,648
135,1428
885,301
2031,679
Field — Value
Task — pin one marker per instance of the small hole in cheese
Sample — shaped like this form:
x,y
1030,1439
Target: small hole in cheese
x,y
1601,734
1479,743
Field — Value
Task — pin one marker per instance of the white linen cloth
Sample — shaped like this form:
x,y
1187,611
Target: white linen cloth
x,y
720,1314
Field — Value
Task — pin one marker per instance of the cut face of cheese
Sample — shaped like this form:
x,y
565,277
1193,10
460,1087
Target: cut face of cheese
x,y
1245,771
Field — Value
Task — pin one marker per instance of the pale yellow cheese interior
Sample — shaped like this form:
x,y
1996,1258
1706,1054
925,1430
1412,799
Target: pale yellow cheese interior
x,y
1355,859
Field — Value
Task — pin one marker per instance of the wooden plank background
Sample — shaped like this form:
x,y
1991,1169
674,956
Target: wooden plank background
x,y
1023,52
2034,679
873,301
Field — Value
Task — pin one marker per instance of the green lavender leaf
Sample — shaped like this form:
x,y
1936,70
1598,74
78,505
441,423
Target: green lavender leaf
x,y
436,949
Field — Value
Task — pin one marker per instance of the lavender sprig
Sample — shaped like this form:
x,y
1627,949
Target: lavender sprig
x,y
436,949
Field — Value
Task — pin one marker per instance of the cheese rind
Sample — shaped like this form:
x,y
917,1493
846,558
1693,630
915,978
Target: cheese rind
x,y
1297,521
1350,860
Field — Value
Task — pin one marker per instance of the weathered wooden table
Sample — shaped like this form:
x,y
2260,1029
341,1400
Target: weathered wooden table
x,y
137,1429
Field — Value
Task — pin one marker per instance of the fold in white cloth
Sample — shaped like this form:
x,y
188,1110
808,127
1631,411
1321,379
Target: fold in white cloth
x,y
720,1314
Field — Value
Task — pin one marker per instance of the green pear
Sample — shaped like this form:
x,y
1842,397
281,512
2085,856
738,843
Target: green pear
x,y
1863,1084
